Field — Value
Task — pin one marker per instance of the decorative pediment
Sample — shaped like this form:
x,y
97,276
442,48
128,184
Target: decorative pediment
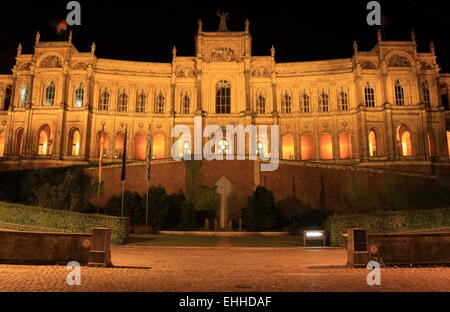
x,y
80,66
426,66
399,61
25,66
368,65
51,62
222,54
185,72
260,72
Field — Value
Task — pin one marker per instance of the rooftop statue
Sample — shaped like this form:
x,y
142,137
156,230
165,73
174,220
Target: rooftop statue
x,y
223,21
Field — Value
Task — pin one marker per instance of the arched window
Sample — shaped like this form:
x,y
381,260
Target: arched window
x,y
140,146
223,97
44,140
326,146
260,148
7,98
305,102
260,103
160,103
50,94
372,144
287,147
74,142
122,105
185,103
399,95
448,143
343,99
2,143
103,103
223,147
79,96
286,102
24,96
345,146
404,141
158,146
426,94
118,145
324,100
369,96
445,96
141,101
19,142
307,146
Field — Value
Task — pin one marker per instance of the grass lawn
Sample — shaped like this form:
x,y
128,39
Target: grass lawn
x,y
170,240
267,241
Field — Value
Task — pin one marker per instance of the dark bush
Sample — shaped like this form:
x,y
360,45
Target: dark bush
x,y
261,212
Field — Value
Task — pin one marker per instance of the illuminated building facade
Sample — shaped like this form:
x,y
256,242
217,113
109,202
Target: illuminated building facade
x,y
384,106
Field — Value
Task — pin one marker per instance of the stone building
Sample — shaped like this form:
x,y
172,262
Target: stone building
x,y
387,106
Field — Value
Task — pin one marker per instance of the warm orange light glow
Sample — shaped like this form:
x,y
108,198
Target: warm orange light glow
x,y
44,138
326,146
76,139
118,146
372,144
406,144
404,141
307,146
140,146
448,143
2,143
158,146
287,151
345,146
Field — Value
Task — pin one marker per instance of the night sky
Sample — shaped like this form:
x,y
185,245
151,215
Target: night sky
x,y
300,30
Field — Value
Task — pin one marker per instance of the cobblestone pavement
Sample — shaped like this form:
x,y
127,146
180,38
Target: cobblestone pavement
x,y
223,269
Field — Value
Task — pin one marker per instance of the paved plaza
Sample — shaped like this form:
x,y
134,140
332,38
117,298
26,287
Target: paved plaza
x,y
139,268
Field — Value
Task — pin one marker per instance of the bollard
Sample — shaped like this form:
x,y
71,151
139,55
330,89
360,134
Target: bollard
x,y
100,252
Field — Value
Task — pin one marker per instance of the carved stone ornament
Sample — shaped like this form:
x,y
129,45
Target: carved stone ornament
x,y
399,61
80,66
51,62
222,54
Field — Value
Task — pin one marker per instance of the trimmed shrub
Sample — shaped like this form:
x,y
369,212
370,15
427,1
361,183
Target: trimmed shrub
x,y
15,216
386,222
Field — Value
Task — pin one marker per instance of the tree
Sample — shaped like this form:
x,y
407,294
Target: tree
x,y
261,211
72,193
132,207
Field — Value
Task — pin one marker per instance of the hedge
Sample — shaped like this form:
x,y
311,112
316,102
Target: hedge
x,y
31,218
386,222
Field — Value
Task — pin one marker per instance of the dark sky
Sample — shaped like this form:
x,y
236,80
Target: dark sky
x,y
300,30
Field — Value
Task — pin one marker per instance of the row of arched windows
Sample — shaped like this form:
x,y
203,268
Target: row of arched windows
x,y
403,141
223,98
305,101
307,147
